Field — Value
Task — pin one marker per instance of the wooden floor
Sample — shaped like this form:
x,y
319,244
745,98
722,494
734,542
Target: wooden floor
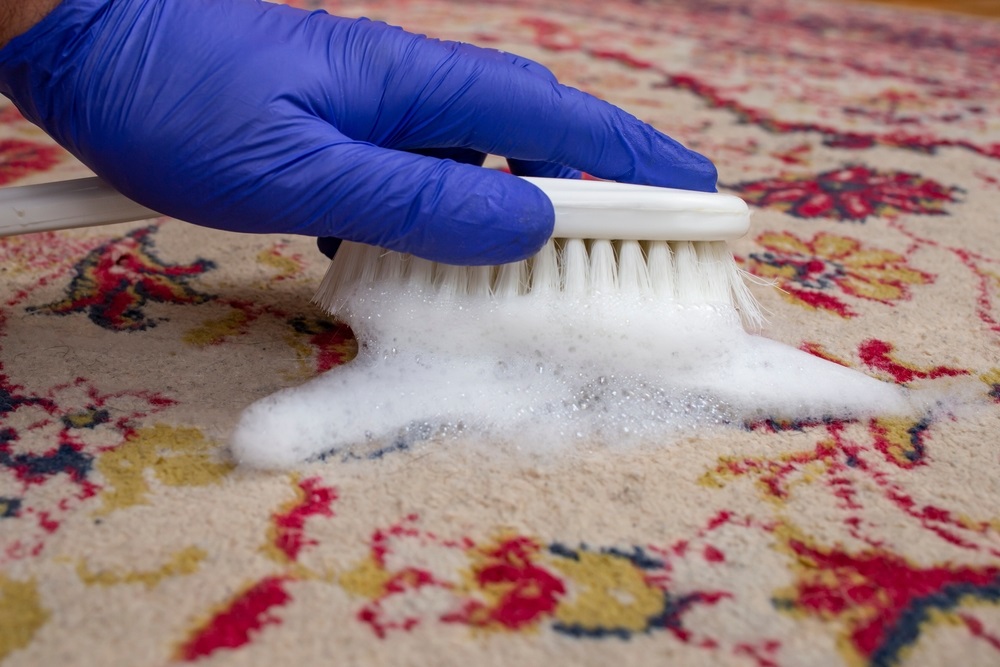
x,y
977,7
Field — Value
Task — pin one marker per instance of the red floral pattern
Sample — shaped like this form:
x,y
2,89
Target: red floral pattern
x,y
881,599
48,442
20,158
114,282
239,620
810,271
853,193
785,542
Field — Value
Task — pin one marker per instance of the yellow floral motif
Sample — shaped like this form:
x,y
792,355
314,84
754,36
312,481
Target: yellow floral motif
x,y
186,561
175,456
772,473
899,439
608,592
87,418
808,270
368,579
287,267
8,505
304,359
992,380
21,614
319,345
31,252
215,331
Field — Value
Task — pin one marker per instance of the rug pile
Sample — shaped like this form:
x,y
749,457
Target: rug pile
x,y
866,140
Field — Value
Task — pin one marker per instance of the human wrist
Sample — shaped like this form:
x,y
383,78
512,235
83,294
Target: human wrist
x,y
18,16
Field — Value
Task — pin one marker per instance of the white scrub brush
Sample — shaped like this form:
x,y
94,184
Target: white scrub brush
x,y
609,238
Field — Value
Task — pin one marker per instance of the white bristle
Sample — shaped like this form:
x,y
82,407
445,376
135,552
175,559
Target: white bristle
x,y
421,275
392,266
479,280
689,285
511,280
369,261
346,267
633,274
575,268
451,280
329,292
341,276
545,269
743,299
682,271
660,262
712,261
603,267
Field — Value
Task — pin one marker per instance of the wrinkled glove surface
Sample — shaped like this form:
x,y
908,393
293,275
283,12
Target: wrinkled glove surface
x,y
254,117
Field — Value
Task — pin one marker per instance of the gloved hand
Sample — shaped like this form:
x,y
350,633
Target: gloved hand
x,y
254,117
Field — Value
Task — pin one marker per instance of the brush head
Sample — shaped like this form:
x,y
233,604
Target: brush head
x,y
587,209
611,240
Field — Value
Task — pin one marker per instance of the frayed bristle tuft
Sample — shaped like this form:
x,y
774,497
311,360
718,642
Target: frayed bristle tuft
x,y
685,272
633,269
603,267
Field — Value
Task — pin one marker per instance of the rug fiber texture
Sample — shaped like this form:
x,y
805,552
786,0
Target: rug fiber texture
x,y
866,140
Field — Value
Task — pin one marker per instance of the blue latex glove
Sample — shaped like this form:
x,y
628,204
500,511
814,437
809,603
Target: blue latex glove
x,y
255,117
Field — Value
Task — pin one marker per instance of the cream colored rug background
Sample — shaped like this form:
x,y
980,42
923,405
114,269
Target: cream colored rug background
x,y
868,141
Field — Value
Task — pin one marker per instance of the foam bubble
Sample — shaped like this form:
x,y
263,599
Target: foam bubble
x,y
546,371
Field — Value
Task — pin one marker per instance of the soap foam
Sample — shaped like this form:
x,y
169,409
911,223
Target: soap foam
x,y
546,371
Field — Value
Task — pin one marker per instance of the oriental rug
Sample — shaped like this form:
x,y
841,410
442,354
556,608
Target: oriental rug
x,y
867,141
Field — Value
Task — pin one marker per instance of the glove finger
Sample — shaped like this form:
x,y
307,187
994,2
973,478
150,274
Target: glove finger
x,y
527,64
328,245
459,95
523,167
440,210
517,167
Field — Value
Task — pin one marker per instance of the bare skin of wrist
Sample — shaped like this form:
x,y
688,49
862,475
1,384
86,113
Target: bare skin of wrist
x,y
18,16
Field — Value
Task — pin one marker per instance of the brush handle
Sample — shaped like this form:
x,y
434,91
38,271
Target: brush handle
x,y
80,202
589,209
584,209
